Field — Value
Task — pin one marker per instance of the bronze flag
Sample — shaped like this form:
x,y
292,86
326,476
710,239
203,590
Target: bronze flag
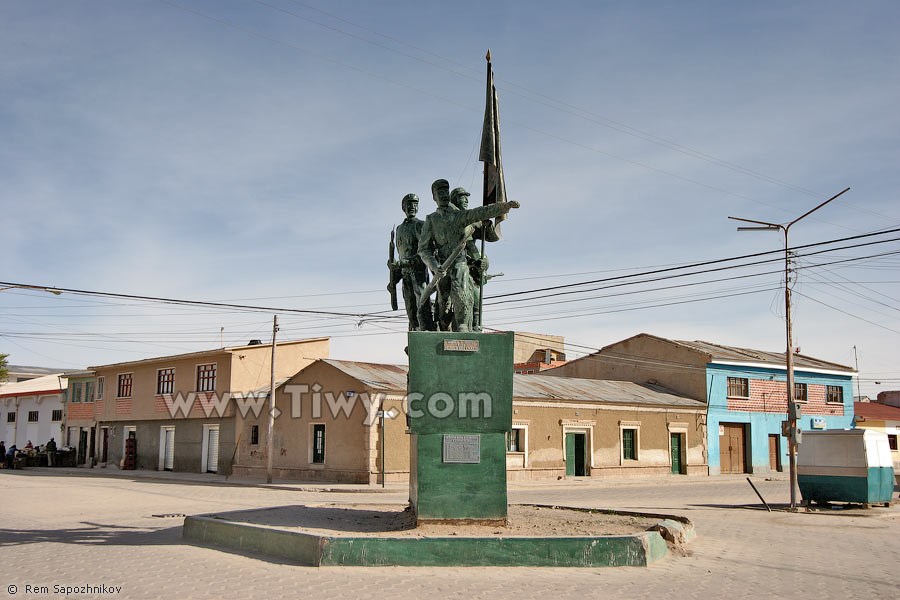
x,y
494,184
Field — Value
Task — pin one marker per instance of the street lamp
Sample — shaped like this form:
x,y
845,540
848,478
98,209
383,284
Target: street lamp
x,y
793,407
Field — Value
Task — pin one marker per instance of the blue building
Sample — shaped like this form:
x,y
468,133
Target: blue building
x,y
744,390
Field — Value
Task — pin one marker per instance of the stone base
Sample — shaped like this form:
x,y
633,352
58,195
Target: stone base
x,y
638,550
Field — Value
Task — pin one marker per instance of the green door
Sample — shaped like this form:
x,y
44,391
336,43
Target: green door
x,y
676,453
575,454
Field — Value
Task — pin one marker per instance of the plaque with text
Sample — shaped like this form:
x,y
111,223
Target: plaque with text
x,y
461,345
462,449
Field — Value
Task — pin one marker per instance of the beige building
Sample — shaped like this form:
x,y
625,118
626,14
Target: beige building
x,y
329,428
180,408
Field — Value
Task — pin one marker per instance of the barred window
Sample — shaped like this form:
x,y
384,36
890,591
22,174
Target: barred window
x,y
254,435
125,380
206,378
165,381
100,382
33,416
739,386
629,444
77,392
57,415
11,417
834,393
800,392
89,391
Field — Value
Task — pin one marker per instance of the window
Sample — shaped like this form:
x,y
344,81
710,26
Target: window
x,y
89,391
892,441
318,449
100,382
124,390
629,444
834,393
738,387
77,392
800,392
514,441
57,415
11,417
206,378
33,416
165,381
254,435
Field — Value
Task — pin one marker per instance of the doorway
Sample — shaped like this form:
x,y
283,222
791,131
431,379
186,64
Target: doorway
x,y
167,449
732,448
82,446
576,443
104,444
676,444
775,452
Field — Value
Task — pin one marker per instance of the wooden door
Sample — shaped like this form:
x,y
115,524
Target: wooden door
x,y
732,448
774,453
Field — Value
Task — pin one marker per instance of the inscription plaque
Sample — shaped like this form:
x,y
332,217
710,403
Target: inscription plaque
x,y
461,345
462,449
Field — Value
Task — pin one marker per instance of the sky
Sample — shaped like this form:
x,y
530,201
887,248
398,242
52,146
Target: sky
x,y
256,152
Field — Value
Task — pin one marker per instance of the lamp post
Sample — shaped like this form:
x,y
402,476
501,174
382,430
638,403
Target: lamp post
x,y
793,406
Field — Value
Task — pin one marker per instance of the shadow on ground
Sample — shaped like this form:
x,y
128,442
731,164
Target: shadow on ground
x,y
93,534
359,520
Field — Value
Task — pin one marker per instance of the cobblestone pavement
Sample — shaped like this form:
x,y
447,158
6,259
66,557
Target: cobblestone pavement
x,y
65,530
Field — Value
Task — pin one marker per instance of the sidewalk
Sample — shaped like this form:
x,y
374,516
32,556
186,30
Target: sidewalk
x,y
214,479
350,488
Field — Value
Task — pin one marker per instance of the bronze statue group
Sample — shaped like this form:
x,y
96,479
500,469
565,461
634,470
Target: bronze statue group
x,y
439,255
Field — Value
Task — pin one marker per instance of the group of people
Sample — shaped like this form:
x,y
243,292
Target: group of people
x,y
8,456
444,245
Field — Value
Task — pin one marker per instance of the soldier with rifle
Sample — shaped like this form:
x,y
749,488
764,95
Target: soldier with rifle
x,y
442,246
410,269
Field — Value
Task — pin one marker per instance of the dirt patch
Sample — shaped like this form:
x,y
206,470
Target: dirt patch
x,y
398,521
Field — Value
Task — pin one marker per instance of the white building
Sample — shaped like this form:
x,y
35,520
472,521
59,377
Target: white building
x,y
33,410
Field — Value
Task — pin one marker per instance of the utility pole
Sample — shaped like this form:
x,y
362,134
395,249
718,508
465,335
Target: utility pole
x,y
856,360
270,438
794,407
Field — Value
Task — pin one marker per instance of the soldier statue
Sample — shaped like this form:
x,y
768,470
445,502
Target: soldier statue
x,y
444,239
410,269
478,264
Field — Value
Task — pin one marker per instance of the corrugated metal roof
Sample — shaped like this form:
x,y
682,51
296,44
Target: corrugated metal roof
x,y
876,410
720,352
596,390
535,387
262,390
45,384
373,375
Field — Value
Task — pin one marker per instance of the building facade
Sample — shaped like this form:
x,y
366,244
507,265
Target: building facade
x,y
180,409
32,410
81,412
882,417
329,428
744,390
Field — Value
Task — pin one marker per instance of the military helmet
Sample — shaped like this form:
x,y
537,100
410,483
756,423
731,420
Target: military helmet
x,y
456,193
407,199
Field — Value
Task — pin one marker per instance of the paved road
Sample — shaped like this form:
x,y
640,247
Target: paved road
x,y
64,530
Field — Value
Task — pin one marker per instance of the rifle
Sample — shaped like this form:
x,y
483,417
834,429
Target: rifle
x,y
394,273
432,285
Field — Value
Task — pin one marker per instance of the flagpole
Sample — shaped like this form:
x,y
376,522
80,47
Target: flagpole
x,y
484,224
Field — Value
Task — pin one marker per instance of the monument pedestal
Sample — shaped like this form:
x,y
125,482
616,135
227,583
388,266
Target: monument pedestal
x,y
460,410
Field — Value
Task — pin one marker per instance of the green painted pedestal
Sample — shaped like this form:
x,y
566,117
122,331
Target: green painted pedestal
x,y
460,410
